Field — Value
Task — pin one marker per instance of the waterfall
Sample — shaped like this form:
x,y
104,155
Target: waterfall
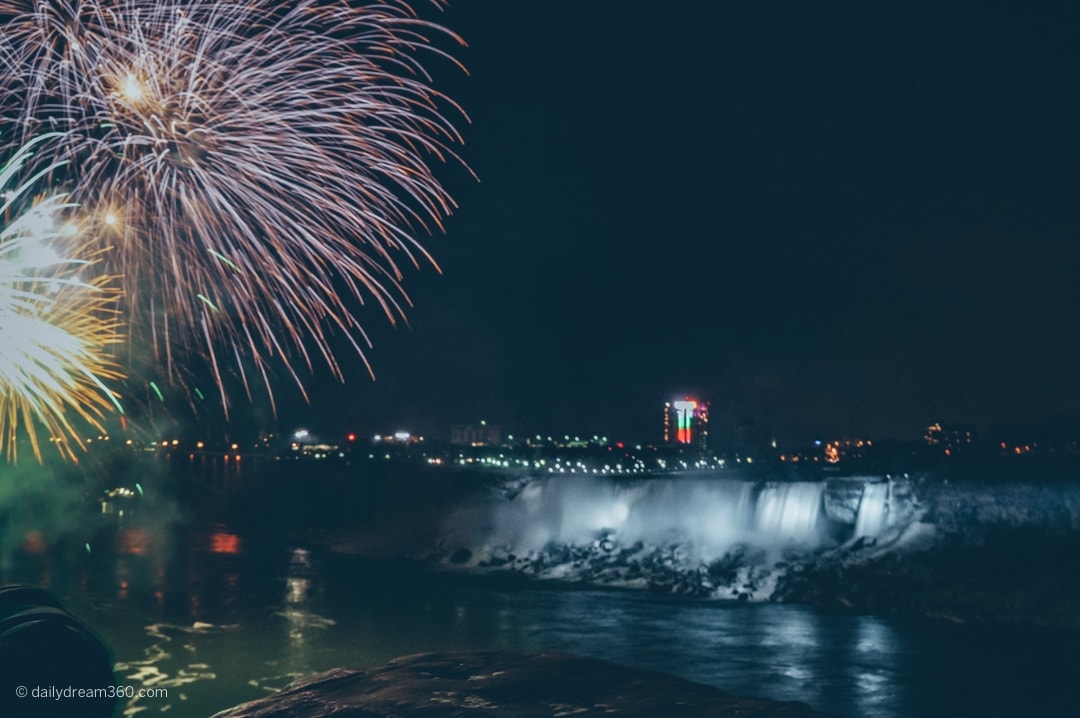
x,y
727,535
706,516
790,511
873,510
702,535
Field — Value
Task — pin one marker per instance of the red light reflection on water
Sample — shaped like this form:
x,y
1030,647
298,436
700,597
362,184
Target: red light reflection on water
x,y
134,541
34,543
222,542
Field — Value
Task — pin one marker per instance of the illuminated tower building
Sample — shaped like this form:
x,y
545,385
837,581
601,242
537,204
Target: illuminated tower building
x,y
686,423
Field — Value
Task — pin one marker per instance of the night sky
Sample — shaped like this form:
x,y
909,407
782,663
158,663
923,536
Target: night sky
x,y
834,219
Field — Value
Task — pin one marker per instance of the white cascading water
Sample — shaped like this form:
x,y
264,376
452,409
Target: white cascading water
x,y
790,512
730,538
873,510
705,516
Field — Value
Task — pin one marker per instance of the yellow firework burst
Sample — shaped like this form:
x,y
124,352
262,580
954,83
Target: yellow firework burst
x,y
56,323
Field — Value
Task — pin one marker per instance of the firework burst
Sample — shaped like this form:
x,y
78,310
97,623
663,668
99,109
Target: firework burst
x,y
261,166
55,327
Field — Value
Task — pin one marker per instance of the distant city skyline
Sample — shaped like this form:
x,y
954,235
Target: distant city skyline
x,y
695,430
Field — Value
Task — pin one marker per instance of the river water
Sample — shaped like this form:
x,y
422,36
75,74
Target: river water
x,y
219,618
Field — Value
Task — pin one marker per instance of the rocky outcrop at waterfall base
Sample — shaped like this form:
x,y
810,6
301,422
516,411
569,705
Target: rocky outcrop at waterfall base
x,y
506,685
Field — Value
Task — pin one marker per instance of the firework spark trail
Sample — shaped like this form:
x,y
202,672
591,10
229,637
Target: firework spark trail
x,y
55,327
264,164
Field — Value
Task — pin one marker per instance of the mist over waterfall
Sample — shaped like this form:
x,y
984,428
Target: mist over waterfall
x,y
704,516
696,534
731,537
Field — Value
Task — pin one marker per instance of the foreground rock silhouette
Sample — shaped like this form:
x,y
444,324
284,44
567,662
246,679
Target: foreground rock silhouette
x,y
506,685
44,648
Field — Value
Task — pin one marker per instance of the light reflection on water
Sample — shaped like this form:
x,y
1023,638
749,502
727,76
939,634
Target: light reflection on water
x,y
219,619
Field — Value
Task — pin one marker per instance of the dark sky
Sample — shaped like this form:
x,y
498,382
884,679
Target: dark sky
x,y
837,219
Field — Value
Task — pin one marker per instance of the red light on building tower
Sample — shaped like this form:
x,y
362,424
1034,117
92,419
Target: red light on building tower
x,y
690,420
684,417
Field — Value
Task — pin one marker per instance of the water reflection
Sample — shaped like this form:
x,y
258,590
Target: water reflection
x,y
874,636
159,668
299,618
135,541
795,636
876,647
224,542
220,619
296,589
34,543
